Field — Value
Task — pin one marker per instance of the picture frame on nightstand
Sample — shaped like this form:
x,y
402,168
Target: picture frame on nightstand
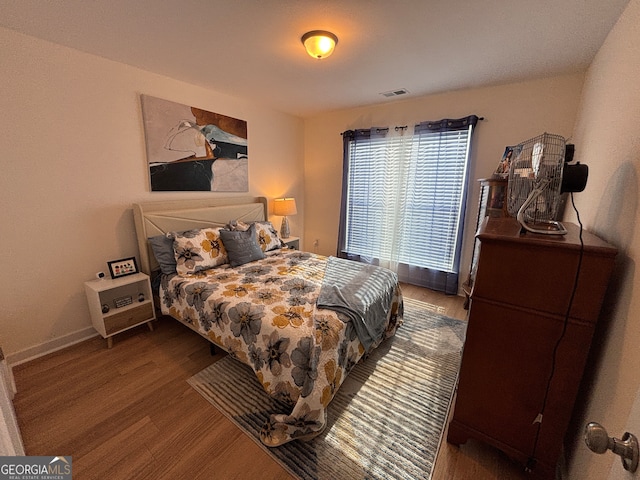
x,y
123,267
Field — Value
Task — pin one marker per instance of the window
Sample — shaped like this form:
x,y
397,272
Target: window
x,y
404,199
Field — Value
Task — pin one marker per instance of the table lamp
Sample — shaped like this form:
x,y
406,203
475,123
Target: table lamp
x,y
284,207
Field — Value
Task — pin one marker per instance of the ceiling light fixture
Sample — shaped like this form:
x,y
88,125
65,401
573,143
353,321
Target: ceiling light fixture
x,y
319,43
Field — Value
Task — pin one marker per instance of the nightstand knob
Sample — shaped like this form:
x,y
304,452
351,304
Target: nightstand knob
x,y
105,308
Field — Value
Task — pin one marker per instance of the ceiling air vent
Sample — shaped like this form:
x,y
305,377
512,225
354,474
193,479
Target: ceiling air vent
x,y
395,93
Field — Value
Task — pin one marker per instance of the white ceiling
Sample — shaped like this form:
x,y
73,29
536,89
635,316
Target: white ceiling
x,y
252,49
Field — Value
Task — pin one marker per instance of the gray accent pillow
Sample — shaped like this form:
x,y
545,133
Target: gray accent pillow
x,y
242,247
163,251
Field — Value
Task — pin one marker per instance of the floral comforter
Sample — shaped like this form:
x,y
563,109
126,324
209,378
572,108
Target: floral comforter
x,y
264,314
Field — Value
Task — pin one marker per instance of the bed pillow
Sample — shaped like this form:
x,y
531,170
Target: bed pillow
x,y
238,225
267,235
197,250
162,247
268,238
242,247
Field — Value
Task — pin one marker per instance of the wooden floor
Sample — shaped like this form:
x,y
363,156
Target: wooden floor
x,y
128,412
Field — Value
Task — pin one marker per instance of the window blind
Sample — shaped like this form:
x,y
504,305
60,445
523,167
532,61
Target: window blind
x,y
404,196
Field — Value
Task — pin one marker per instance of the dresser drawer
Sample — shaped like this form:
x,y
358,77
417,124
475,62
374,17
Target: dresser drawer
x,y
538,272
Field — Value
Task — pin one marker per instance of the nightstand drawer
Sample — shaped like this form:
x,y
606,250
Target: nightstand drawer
x,y
128,318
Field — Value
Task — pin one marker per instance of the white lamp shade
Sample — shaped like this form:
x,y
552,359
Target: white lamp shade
x,y
284,206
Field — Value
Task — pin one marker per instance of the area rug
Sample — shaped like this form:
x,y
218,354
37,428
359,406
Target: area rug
x,y
385,422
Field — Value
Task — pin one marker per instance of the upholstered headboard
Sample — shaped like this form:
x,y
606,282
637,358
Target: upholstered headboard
x,y
158,218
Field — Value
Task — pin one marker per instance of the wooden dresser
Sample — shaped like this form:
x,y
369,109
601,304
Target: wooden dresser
x,y
519,313
492,203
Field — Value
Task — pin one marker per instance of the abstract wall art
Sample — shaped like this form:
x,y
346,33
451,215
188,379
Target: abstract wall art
x,y
190,149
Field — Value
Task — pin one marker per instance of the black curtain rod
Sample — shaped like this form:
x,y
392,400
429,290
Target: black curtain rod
x,y
398,127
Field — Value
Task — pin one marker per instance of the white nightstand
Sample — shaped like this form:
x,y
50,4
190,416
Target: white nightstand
x,y
292,242
132,293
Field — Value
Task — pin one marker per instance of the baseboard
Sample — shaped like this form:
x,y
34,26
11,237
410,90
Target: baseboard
x,y
50,346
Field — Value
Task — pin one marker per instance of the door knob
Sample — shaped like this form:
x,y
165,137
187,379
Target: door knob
x,y
599,441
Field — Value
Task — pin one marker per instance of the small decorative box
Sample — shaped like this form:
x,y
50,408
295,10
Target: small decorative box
x,y
123,301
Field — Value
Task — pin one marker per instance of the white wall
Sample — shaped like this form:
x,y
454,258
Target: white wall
x,y
513,113
606,136
73,161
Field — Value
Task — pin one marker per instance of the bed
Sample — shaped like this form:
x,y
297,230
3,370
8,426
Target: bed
x,y
299,320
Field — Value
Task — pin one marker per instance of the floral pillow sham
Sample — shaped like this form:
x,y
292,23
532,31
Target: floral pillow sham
x,y
268,237
197,250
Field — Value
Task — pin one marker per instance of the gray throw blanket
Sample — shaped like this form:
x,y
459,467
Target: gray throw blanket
x,y
361,292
